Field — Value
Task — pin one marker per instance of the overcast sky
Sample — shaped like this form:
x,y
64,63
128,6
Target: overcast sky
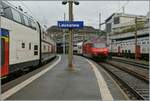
x,y
49,12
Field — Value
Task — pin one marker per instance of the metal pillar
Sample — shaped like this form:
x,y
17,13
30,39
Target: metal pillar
x,y
70,53
136,57
64,35
99,21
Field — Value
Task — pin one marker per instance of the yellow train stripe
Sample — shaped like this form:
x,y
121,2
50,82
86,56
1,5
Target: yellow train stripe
x,y
6,39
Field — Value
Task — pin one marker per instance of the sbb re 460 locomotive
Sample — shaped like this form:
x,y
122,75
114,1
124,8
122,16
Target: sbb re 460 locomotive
x,y
97,51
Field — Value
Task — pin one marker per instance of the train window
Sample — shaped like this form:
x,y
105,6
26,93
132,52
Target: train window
x,y
35,47
147,42
129,51
44,47
35,52
32,23
23,45
26,20
2,51
16,15
22,19
143,42
130,43
6,11
29,46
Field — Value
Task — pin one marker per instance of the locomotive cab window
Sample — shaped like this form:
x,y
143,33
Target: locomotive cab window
x,y
99,45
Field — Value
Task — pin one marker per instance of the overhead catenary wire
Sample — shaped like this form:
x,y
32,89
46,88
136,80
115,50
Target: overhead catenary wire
x,y
123,6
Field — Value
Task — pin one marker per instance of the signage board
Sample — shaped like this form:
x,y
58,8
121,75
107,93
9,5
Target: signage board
x,y
70,24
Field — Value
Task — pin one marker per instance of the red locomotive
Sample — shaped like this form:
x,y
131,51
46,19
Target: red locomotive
x,y
96,50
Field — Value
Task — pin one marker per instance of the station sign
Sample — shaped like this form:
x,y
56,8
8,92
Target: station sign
x,y
70,24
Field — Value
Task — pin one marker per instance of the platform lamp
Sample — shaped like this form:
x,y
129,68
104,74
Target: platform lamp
x,y
70,53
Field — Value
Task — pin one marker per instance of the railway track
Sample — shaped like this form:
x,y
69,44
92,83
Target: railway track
x,y
135,87
132,63
140,73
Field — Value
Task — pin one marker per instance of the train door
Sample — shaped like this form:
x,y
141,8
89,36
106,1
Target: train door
x,y
138,51
119,53
4,52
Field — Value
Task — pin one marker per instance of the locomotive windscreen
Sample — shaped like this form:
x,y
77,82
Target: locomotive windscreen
x,y
99,45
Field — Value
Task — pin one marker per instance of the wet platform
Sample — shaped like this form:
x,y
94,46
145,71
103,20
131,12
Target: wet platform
x,y
87,82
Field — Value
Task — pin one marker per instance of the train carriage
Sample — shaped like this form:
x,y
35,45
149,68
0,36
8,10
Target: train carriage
x,y
22,36
126,47
80,48
21,41
48,46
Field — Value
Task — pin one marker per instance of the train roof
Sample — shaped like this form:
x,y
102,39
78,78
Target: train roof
x,y
16,8
96,40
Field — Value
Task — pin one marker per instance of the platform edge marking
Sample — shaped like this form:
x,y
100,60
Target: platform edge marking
x,y
104,90
15,89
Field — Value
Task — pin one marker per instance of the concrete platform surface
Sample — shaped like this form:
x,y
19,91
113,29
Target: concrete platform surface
x,y
61,84
87,82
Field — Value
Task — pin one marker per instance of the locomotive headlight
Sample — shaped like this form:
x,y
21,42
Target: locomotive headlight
x,y
95,53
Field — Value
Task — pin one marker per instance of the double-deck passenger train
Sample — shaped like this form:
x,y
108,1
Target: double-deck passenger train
x,y
126,47
24,42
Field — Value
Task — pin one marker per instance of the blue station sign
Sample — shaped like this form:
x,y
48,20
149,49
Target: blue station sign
x,y
70,24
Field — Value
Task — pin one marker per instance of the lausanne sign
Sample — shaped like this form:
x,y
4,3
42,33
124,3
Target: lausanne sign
x,y
70,24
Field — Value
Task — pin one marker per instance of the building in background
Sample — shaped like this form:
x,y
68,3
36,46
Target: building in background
x,y
121,31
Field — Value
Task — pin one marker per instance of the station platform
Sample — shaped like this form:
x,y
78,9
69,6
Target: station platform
x,y
55,82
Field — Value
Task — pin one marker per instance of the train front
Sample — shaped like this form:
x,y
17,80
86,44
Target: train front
x,y
100,51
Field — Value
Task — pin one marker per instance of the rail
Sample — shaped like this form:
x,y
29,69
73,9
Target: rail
x,y
126,81
140,65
